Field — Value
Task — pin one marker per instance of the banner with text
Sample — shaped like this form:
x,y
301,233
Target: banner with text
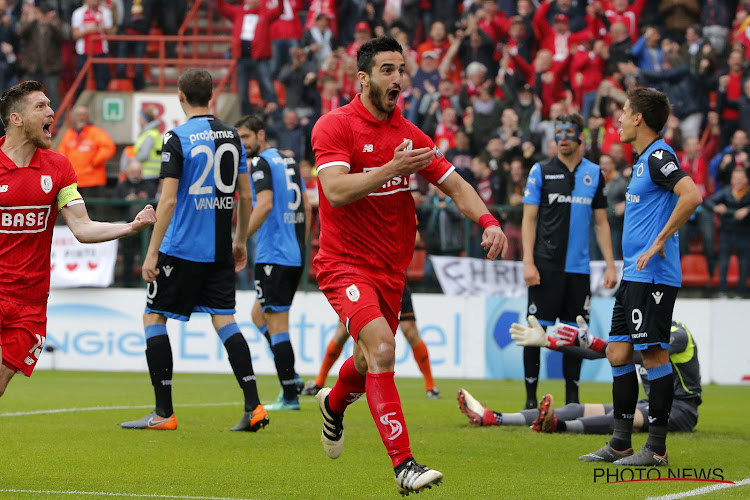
x,y
74,264
471,277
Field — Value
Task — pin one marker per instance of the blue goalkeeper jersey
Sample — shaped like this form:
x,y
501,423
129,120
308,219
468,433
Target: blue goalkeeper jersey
x,y
206,155
566,201
649,203
281,238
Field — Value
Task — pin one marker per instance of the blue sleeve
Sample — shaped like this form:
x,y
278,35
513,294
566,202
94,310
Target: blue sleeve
x,y
533,193
242,167
713,167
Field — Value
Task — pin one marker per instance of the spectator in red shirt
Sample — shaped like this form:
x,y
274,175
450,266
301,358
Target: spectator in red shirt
x,y
327,7
492,21
285,34
330,98
586,72
620,11
445,132
362,33
251,24
438,44
89,22
730,89
546,76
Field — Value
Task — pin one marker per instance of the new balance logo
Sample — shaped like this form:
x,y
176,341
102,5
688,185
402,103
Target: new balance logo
x,y
658,154
168,270
651,419
657,296
396,428
367,149
267,269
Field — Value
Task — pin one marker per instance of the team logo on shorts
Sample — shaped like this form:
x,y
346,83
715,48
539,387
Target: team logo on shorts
x,y
532,308
352,293
46,182
588,180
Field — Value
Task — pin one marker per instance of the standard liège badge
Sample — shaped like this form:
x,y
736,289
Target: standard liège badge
x,y
352,293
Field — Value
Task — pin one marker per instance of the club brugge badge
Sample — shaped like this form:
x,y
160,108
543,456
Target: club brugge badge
x,y
352,293
46,183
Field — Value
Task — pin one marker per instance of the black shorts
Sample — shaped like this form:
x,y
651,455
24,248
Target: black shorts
x,y
683,417
560,295
276,285
407,308
184,286
642,314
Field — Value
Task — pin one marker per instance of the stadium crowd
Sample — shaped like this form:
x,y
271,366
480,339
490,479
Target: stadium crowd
x,y
486,80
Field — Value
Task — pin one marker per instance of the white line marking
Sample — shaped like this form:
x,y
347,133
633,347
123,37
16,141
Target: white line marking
x,y
103,408
109,494
700,491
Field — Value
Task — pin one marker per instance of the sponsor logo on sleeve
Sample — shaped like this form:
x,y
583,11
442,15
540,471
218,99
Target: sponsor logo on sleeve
x,y
668,168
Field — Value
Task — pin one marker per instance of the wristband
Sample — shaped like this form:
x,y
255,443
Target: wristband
x,y
488,220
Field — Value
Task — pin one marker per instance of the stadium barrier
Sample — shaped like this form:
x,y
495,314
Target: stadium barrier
x,y
101,330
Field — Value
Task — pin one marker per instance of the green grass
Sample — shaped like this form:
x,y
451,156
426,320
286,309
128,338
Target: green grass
x,y
86,451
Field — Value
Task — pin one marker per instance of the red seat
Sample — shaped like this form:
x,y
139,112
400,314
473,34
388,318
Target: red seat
x,y
733,273
120,85
415,271
694,270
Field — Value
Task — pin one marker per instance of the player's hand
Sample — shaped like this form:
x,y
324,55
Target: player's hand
x,y
149,272
144,219
494,242
531,275
562,335
532,335
239,251
406,162
656,247
610,277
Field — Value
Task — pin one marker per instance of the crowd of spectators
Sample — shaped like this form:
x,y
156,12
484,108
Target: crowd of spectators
x,y
484,78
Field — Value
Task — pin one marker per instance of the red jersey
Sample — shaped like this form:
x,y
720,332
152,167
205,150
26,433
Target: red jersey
x,y
28,209
376,231
288,25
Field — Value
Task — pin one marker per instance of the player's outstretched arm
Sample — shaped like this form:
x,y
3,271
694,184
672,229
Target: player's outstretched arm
x,y
689,198
88,231
341,187
471,205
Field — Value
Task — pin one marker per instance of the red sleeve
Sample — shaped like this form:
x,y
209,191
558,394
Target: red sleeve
x,y
274,13
539,21
526,69
439,169
330,142
226,10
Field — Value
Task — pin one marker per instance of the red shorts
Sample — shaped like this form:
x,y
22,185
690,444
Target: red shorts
x,y
23,330
359,294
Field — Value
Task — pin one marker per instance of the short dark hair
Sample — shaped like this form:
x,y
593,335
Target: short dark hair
x,y
573,118
197,85
652,104
368,50
12,100
254,123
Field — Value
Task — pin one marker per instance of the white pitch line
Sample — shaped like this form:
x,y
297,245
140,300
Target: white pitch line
x,y
700,491
103,408
109,494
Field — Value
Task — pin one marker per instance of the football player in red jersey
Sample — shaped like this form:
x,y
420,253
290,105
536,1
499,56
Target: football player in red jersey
x,y
36,183
365,152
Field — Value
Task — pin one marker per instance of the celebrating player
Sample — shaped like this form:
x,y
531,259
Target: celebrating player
x,y
408,323
599,418
365,152
191,260
561,194
281,217
661,197
36,184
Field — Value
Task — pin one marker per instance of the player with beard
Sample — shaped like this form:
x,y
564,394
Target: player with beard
x,y
365,152
561,195
36,184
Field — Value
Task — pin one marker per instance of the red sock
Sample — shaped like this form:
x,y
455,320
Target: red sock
x,y
385,407
333,351
348,388
422,357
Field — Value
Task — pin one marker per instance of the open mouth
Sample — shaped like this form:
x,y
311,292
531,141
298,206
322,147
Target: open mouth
x,y
46,130
392,96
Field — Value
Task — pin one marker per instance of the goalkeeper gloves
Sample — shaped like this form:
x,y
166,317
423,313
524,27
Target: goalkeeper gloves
x,y
580,335
534,335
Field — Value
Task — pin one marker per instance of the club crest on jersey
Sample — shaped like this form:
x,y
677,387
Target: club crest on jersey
x,y
588,180
352,293
639,170
46,182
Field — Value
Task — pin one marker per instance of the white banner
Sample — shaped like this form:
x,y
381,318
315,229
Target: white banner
x,y
167,107
481,277
74,264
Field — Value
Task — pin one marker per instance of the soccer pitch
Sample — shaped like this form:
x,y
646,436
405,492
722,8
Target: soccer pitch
x,y
60,439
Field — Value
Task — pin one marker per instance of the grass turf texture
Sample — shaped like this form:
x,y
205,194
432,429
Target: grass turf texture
x,y
86,451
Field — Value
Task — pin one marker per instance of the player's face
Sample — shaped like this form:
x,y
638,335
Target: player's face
x,y
567,143
249,140
37,119
385,80
627,124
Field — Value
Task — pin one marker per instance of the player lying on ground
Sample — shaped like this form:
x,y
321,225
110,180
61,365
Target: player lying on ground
x,y
596,418
408,324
